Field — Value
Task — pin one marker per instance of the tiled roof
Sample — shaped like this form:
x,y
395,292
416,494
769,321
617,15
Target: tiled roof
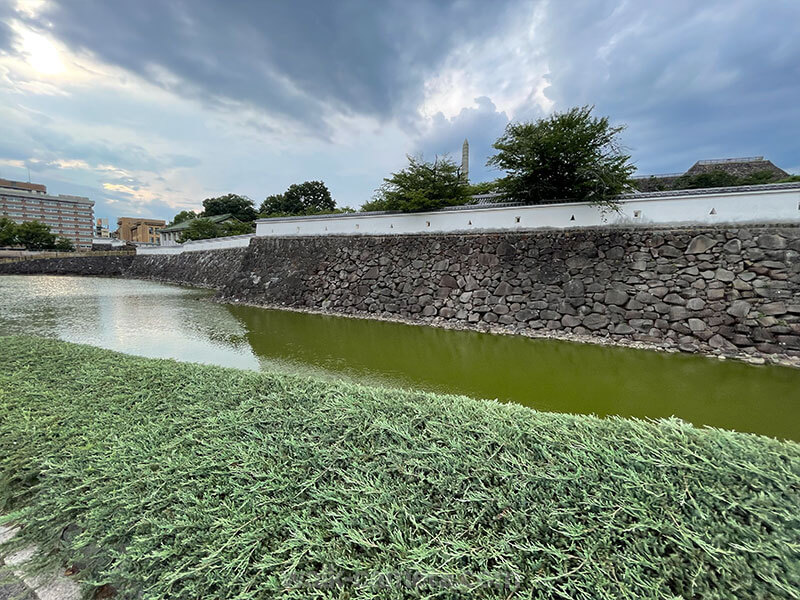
x,y
184,224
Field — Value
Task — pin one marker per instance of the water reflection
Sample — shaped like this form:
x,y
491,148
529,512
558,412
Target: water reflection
x,y
158,320
137,317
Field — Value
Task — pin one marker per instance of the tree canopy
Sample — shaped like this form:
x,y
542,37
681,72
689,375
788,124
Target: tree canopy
x,y
307,198
184,215
484,187
203,228
63,244
240,207
722,178
8,232
35,236
421,186
567,156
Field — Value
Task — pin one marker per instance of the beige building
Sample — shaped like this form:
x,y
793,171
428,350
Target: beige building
x,y
138,229
69,216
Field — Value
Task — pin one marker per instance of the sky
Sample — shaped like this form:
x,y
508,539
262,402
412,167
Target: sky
x,y
149,107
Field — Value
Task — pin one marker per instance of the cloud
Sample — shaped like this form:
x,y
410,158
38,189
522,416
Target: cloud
x,y
151,106
481,124
303,61
692,80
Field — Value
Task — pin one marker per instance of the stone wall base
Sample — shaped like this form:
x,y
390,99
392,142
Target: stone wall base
x,y
719,291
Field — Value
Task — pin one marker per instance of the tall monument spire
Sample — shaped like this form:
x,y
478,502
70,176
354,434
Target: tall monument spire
x,y
465,161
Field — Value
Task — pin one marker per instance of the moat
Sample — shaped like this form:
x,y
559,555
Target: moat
x,y
157,320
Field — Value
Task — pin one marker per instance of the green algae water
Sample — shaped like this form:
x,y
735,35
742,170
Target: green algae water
x,y
165,321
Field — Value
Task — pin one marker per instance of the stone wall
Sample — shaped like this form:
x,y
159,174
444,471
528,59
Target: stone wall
x,y
100,266
730,291
213,269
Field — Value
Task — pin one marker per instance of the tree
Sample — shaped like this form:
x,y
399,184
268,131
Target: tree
x,y
276,205
182,216
200,229
35,235
63,244
240,207
421,186
712,179
307,198
484,187
312,196
8,232
235,228
569,156
203,229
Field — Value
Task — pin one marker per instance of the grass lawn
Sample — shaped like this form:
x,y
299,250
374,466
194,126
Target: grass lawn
x,y
186,481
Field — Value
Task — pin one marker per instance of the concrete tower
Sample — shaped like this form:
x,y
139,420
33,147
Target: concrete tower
x,y
465,161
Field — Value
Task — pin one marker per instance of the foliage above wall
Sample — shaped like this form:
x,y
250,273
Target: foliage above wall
x,y
184,215
567,156
423,185
241,207
204,228
712,179
307,198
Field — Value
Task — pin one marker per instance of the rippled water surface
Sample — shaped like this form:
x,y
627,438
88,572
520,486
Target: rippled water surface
x,y
157,320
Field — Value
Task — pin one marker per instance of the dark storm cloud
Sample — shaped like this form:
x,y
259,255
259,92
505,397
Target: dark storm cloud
x,y
297,59
692,80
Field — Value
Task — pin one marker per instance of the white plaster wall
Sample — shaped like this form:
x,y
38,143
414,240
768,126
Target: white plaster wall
x,y
235,241
169,239
762,206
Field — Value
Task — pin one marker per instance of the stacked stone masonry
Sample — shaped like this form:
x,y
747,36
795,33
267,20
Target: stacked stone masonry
x,y
712,290
99,266
732,292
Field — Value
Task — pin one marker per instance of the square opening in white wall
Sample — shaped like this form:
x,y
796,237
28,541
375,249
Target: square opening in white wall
x,y
637,214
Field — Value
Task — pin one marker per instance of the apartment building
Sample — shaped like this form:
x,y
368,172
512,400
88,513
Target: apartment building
x,y
69,216
138,229
101,229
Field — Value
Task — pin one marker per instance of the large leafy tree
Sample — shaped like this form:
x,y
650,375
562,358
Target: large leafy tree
x,y
484,187
240,207
236,228
203,229
63,244
35,236
312,196
568,156
8,232
200,229
421,186
184,215
307,198
276,205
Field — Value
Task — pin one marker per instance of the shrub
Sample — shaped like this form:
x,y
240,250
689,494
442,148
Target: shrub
x,y
188,481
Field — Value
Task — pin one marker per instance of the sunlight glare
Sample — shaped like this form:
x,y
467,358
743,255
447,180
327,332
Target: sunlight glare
x,y
41,53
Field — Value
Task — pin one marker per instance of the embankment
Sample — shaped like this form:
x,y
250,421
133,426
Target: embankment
x,y
175,480
729,291
89,265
